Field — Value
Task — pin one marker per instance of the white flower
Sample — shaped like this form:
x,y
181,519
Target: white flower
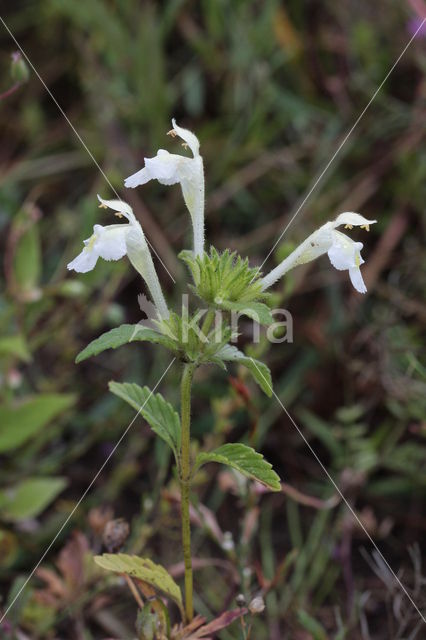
x,y
114,242
169,168
343,252
108,242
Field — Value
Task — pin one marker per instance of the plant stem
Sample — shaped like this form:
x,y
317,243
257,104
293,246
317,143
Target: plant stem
x,y
185,472
185,483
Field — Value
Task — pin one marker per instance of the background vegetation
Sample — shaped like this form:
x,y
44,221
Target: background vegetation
x,y
270,88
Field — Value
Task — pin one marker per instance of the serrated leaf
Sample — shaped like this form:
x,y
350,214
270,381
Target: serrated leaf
x,y
29,498
123,335
142,569
19,423
160,415
256,311
258,369
245,460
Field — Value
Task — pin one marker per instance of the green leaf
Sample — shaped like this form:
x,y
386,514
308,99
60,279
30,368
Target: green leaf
x,y
245,460
258,370
123,335
15,346
159,413
257,311
30,497
260,373
19,423
142,569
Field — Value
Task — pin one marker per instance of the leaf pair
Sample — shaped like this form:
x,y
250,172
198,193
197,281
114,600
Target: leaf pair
x,y
127,333
179,335
165,422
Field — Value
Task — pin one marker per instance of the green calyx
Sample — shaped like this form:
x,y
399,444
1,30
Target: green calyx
x,y
220,278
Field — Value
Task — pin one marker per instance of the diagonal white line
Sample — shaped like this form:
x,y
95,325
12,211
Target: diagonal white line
x,y
68,518
75,131
330,477
344,141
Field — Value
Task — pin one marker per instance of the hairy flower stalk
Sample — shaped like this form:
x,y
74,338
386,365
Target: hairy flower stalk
x,y
170,168
114,242
343,252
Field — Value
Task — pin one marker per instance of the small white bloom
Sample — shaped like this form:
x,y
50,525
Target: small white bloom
x,y
343,252
107,242
114,242
170,168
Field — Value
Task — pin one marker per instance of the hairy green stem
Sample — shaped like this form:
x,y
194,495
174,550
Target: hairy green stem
x,y
185,483
185,471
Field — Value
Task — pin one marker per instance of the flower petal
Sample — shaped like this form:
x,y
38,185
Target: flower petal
x,y
85,261
110,243
189,137
140,177
352,220
164,167
357,280
344,253
119,206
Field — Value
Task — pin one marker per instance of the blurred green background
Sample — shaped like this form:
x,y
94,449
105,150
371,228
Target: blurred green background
x,y
270,88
